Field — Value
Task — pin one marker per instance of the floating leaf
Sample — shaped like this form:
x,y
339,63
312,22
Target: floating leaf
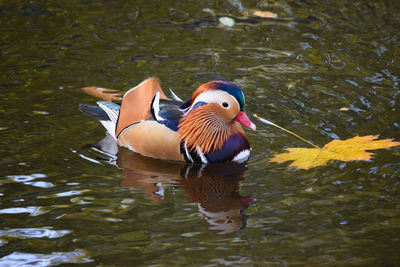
x,y
265,14
227,21
344,150
103,93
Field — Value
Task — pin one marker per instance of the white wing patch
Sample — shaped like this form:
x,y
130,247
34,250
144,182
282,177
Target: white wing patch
x,y
156,107
112,113
112,123
110,127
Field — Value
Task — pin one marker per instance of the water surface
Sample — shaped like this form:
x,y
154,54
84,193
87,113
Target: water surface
x,y
61,201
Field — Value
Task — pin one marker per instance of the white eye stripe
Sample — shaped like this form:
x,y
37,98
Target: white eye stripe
x,y
214,96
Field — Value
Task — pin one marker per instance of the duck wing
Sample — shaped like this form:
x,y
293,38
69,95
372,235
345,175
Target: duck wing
x,y
136,103
167,111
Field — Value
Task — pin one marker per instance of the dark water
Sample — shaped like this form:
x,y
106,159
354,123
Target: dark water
x,y
63,202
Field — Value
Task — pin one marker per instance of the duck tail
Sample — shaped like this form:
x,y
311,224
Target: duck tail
x,y
93,111
106,112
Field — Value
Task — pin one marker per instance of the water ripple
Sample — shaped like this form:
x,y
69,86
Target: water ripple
x,y
31,259
25,233
29,180
33,211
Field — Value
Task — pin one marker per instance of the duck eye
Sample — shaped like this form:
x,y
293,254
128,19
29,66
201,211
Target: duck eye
x,y
225,105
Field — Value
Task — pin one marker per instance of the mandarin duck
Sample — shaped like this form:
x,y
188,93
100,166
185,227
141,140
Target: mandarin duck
x,y
206,128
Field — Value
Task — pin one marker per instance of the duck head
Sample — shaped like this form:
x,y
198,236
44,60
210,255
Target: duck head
x,y
213,114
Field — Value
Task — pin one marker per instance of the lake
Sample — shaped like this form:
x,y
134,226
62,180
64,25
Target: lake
x,y
323,69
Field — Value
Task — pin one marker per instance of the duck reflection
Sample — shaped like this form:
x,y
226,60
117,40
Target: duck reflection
x,y
216,191
214,188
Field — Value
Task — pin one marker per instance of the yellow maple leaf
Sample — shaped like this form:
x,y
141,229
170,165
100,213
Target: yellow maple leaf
x,y
344,150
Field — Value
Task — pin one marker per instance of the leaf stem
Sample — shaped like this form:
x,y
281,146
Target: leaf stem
x,y
292,133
